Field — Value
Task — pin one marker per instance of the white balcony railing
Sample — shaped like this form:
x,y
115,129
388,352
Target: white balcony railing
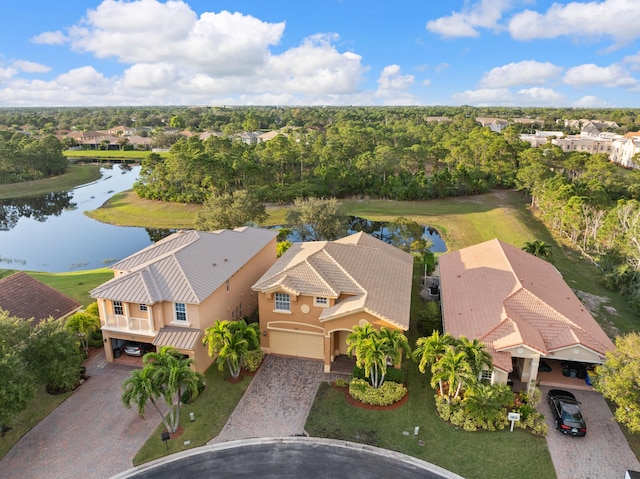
x,y
128,323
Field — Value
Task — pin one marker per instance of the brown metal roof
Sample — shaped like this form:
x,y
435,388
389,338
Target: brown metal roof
x,y
25,297
504,296
178,337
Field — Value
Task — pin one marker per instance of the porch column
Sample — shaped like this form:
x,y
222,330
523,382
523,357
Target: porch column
x,y
533,374
152,327
127,314
327,353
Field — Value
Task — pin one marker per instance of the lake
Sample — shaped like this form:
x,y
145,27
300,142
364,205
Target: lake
x,y
50,233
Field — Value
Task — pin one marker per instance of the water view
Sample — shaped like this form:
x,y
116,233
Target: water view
x,y
50,232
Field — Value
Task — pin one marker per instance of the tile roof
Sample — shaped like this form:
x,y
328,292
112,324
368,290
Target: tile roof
x,y
375,276
504,296
184,267
26,297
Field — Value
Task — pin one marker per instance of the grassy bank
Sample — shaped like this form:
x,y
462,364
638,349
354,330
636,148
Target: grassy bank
x,y
74,176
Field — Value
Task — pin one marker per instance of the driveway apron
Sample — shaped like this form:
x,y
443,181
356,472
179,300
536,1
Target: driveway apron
x,y
278,400
90,435
603,453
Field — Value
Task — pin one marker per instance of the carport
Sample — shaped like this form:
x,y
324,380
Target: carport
x,y
566,374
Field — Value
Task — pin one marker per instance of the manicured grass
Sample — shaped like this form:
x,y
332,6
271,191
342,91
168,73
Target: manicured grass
x,y
110,154
39,408
211,411
74,176
127,209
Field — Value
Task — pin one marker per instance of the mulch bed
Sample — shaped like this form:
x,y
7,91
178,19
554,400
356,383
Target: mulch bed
x,y
361,405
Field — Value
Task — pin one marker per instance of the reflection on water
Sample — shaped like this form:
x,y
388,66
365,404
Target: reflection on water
x,y
38,208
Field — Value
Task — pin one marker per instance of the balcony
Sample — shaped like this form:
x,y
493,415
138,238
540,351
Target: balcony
x,y
116,322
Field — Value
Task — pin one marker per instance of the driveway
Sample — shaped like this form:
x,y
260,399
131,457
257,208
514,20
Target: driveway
x,y
278,400
91,434
602,454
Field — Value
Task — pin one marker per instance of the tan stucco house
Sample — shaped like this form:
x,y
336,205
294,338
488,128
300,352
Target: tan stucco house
x,y
311,298
168,293
520,307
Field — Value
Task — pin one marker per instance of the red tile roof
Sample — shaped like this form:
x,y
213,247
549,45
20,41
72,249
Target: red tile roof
x,y
26,297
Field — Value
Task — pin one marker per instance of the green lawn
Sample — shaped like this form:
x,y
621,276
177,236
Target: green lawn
x,y
211,411
74,176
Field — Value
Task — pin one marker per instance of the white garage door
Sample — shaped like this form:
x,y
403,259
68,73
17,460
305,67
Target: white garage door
x,y
302,345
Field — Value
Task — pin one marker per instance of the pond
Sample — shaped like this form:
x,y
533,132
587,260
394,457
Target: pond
x,y
50,233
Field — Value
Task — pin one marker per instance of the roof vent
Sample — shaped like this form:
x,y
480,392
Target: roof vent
x,y
213,264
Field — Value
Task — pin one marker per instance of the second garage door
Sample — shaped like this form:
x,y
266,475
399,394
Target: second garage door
x,y
302,345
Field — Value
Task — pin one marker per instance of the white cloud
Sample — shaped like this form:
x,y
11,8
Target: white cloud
x,y
482,14
50,38
617,19
590,101
484,97
30,67
613,76
441,67
393,86
540,96
529,72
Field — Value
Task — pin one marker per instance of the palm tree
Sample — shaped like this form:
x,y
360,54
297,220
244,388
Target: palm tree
x,y
170,372
539,249
453,369
228,341
430,349
487,402
396,344
372,357
477,355
358,335
83,325
141,389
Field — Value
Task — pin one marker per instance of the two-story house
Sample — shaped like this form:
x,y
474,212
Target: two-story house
x,y
168,293
311,298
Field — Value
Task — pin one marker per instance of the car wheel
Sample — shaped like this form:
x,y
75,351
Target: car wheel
x,y
556,424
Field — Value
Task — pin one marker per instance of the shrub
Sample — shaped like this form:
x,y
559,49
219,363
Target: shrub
x,y
393,374
187,396
251,361
387,394
341,382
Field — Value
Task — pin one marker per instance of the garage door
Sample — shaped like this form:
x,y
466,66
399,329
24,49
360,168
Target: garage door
x,y
303,345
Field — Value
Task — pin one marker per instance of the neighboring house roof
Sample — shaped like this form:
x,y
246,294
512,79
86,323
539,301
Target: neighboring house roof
x,y
370,274
26,297
185,267
506,297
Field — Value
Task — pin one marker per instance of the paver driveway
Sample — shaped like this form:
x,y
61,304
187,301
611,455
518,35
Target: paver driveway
x,y
602,454
90,435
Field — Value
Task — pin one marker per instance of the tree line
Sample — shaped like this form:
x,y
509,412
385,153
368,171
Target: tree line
x,y
25,158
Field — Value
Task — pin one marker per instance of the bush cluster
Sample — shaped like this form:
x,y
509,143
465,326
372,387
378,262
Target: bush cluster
x,y
251,361
390,392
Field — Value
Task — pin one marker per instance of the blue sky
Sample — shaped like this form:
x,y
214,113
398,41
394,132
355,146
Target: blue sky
x,y
331,52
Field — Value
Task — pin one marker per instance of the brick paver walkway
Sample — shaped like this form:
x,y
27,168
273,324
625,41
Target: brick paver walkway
x,y
90,435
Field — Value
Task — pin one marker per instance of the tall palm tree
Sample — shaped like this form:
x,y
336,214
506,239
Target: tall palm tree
x,y
172,375
396,343
83,325
453,369
372,357
539,249
430,349
140,389
477,355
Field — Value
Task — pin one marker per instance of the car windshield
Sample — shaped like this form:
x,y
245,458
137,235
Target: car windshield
x,y
571,414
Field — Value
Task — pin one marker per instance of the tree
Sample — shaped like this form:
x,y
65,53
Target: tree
x,y
486,402
618,379
83,325
230,211
318,219
17,384
53,357
405,233
170,376
374,348
454,369
228,341
477,355
141,389
538,248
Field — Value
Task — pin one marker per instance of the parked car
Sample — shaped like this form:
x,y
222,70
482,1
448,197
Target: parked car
x,y
566,412
135,349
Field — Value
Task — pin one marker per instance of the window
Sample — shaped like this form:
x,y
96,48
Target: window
x,y
283,302
485,376
181,312
143,307
320,301
117,308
